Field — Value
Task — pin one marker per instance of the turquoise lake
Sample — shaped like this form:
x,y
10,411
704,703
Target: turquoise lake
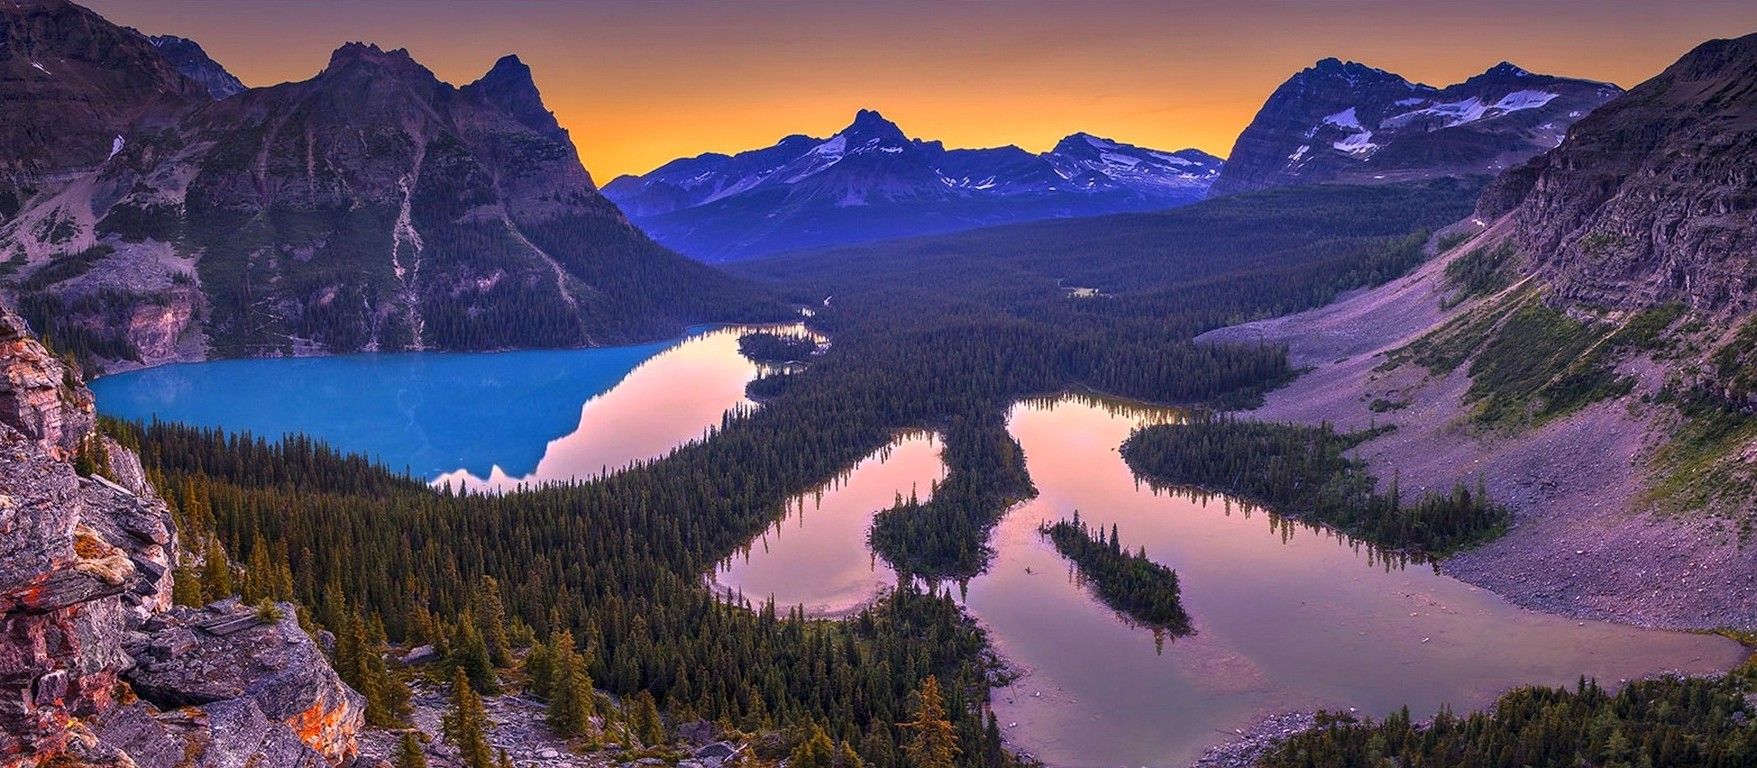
x,y
485,420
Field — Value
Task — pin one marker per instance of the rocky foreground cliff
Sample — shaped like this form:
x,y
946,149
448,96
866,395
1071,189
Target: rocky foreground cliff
x,y
1587,344
97,667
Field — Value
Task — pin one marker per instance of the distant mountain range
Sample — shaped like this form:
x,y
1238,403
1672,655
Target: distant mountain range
x,y
870,181
150,210
1348,122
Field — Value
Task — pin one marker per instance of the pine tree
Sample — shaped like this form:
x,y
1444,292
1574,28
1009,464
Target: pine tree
x,y
814,751
469,652
493,617
216,572
846,757
647,725
570,689
539,669
409,754
466,725
934,744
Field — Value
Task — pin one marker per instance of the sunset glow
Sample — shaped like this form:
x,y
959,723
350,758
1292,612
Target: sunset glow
x,y
641,83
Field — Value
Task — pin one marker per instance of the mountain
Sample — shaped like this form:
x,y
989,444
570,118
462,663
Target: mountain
x,y
71,84
1344,121
1586,344
187,57
870,181
371,207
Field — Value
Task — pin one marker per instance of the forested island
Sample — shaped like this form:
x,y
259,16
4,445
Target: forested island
x,y
776,348
1129,582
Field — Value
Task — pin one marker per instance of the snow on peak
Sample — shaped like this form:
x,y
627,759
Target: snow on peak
x,y
1344,119
115,146
39,68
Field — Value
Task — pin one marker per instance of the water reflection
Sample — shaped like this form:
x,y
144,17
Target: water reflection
x,y
1287,616
480,420
822,534
669,400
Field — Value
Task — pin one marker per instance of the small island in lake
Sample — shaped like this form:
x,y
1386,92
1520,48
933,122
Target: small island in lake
x,y
1129,582
775,348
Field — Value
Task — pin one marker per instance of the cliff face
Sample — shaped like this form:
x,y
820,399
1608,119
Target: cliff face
x,y
1653,198
86,621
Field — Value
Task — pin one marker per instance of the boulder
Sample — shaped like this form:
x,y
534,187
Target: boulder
x,y
226,653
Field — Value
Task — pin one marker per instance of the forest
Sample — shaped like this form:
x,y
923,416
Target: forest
x,y
1302,472
1129,582
617,563
1667,721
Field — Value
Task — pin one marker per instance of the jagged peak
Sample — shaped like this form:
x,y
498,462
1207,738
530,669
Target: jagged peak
x,y
396,59
868,123
510,85
509,68
1354,72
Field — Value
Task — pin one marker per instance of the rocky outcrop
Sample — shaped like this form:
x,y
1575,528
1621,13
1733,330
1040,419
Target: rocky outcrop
x,y
81,559
96,666
40,396
1347,122
240,666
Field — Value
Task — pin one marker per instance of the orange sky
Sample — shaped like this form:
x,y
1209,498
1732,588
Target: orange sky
x,y
639,83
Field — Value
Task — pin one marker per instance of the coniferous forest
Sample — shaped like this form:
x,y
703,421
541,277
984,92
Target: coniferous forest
x,y
615,565
1303,472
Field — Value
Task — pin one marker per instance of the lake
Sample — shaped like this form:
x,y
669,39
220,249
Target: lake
x,y
480,420
1287,617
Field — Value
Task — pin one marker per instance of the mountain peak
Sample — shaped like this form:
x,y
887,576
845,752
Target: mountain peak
x,y
1509,69
509,67
510,86
869,124
1353,72
370,54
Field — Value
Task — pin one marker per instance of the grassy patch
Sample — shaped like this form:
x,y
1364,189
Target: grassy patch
x,y
1481,272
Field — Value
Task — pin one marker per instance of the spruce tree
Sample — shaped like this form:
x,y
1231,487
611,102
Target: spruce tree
x,y
570,689
934,744
493,618
647,725
814,751
216,572
466,725
409,753
469,652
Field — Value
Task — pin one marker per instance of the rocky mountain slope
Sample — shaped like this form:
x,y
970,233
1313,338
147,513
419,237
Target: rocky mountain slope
x,y
1585,344
372,207
1344,121
871,181
188,58
97,667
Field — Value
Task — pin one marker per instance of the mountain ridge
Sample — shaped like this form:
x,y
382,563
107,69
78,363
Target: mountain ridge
x,y
872,181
